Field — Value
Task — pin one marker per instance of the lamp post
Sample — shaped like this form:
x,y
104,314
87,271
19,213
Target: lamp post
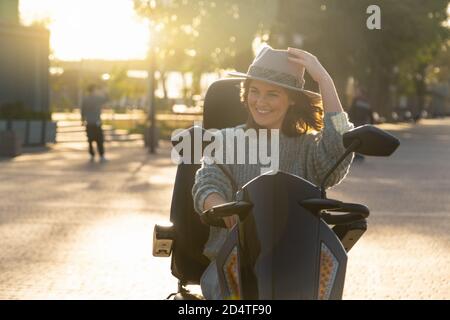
x,y
80,83
158,11
151,132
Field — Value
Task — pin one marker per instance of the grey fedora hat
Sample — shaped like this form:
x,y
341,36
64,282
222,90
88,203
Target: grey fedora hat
x,y
272,66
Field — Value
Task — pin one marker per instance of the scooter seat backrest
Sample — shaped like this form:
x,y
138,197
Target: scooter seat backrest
x,y
221,109
222,106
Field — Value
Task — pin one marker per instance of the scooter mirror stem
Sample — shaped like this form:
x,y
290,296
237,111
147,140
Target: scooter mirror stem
x,y
352,147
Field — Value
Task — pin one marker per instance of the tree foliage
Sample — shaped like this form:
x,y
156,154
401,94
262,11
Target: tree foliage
x,y
412,34
205,35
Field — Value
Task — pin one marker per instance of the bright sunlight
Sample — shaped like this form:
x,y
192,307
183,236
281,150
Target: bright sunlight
x,y
90,29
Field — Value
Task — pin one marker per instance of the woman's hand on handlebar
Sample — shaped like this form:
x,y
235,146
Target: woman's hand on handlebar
x,y
215,199
230,221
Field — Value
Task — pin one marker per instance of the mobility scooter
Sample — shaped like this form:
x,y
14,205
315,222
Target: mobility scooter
x,y
291,241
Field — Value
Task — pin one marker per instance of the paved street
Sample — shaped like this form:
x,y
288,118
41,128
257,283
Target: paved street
x,y
71,229
405,254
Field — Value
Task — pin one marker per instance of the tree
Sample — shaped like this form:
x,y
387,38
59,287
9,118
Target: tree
x,y
121,86
206,35
336,32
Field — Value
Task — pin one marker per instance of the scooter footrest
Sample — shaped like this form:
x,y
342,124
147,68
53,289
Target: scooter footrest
x,y
350,233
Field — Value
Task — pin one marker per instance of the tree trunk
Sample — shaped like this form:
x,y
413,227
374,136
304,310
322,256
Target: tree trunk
x,y
196,82
420,92
164,85
379,94
243,60
340,82
185,89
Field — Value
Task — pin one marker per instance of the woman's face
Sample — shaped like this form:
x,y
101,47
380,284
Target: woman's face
x,y
268,104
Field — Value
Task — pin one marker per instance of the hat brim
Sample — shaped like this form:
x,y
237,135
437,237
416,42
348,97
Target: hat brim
x,y
313,95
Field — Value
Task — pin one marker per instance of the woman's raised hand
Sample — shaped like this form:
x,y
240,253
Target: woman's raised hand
x,y
310,62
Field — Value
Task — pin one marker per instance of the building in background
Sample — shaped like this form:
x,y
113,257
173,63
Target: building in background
x,y
24,61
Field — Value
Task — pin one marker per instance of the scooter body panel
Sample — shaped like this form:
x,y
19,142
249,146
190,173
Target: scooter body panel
x,y
281,244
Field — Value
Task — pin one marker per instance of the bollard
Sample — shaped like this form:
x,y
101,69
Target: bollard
x,y
10,145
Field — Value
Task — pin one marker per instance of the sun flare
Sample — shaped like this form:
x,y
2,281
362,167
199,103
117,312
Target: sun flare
x,y
90,29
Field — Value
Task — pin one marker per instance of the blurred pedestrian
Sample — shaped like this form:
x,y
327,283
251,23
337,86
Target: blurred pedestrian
x,y
360,113
91,109
439,97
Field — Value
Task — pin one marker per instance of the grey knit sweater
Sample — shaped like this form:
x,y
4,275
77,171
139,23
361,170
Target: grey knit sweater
x,y
308,156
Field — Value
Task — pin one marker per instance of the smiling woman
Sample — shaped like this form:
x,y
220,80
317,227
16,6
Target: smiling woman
x,y
90,29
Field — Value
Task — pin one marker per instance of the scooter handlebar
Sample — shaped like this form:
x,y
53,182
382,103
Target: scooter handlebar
x,y
354,211
214,216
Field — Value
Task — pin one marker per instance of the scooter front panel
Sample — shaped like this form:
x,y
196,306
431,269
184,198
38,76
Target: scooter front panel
x,y
282,242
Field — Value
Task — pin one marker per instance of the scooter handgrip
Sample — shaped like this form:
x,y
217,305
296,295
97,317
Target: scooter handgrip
x,y
337,219
355,211
318,205
214,216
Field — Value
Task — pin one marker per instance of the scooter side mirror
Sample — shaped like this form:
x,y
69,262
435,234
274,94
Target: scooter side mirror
x,y
371,141
367,140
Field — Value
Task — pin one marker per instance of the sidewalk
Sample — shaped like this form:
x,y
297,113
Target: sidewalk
x,y
73,229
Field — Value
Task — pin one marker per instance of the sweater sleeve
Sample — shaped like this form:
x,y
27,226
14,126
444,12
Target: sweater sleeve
x,y
326,147
209,179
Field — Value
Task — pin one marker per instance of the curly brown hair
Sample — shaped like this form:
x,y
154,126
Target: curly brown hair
x,y
305,115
